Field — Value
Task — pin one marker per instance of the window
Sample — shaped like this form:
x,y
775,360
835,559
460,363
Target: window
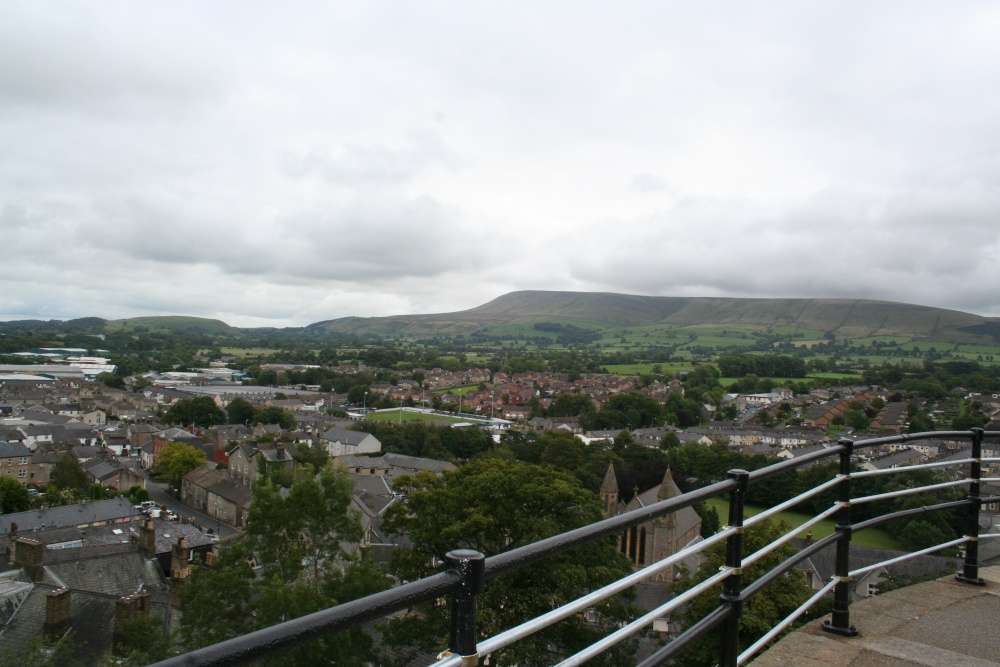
x,y
23,461
10,462
22,473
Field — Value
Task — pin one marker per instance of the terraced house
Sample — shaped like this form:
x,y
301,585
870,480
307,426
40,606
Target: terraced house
x,y
15,459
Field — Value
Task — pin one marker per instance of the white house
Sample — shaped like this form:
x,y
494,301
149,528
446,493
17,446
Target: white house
x,y
341,442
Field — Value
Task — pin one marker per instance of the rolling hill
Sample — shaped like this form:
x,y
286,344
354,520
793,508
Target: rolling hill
x,y
845,318
173,323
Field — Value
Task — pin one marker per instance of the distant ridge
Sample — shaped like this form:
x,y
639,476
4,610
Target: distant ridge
x,y
174,323
847,318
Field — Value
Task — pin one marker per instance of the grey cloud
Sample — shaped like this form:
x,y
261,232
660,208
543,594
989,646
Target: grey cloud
x,y
360,165
648,184
929,246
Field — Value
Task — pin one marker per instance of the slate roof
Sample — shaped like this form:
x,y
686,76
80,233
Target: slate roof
x,y
345,436
901,458
119,574
167,533
824,562
11,449
100,469
96,578
417,463
219,484
68,515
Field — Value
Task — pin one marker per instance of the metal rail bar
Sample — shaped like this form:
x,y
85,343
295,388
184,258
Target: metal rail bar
x,y
532,553
686,638
249,647
908,492
922,466
646,619
291,633
926,509
793,464
900,559
786,566
792,502
528,628
781,627
790,535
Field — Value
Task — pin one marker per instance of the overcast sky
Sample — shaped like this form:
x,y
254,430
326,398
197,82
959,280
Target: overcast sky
x,y
277,165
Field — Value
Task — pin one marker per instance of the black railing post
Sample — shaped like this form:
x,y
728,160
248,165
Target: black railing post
x,y
471,566
840,623
731,588
970,569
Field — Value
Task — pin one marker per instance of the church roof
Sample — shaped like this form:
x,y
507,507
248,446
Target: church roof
x,y
610,483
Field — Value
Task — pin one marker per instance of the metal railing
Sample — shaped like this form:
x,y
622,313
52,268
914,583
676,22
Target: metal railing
x,y
467,571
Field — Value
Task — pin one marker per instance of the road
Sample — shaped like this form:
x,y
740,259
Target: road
x,y
158,493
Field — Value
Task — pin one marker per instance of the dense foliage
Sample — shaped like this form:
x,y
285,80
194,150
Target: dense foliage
x,y
288,564
492,506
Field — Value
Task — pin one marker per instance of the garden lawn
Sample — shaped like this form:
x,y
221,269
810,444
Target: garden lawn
x,y
873,537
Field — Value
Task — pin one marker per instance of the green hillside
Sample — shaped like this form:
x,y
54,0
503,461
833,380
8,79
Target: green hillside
x,y
175,324
844,318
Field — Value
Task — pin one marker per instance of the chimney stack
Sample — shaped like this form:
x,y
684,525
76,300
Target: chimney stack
x,y
57,614
28,554
147,538
128,609
180,556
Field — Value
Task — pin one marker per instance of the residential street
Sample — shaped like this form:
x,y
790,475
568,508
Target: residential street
x,y
158,493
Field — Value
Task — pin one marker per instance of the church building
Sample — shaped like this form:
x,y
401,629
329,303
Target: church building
x,y
654,540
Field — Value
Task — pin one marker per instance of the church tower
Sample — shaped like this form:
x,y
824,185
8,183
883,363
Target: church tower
x,y
665,537
609,492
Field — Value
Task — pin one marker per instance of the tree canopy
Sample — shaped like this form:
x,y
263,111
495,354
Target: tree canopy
x,y
294,540
178,459
67,473
493,505
13,496
201,411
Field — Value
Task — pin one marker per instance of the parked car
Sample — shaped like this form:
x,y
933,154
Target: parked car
x,y
171,515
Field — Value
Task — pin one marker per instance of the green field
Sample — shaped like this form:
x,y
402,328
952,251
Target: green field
x,y
243,352
640,369
461,391
873,537
410,417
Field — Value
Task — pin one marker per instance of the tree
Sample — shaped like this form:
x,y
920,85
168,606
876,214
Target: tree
x,y
295,539
201,411
275,415
760,613
669,440
494,505
136,494
111,380
67,473
241,411
14,496
178,459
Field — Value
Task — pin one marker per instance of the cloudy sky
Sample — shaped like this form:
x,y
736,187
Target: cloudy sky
x,y
277,165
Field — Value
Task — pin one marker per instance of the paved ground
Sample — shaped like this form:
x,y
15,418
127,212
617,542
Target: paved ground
x,y
940,623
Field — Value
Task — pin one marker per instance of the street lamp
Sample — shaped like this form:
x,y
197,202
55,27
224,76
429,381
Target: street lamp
x,y
364,407
400,410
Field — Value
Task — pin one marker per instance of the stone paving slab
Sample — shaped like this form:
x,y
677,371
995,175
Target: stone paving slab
x,y
944,623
